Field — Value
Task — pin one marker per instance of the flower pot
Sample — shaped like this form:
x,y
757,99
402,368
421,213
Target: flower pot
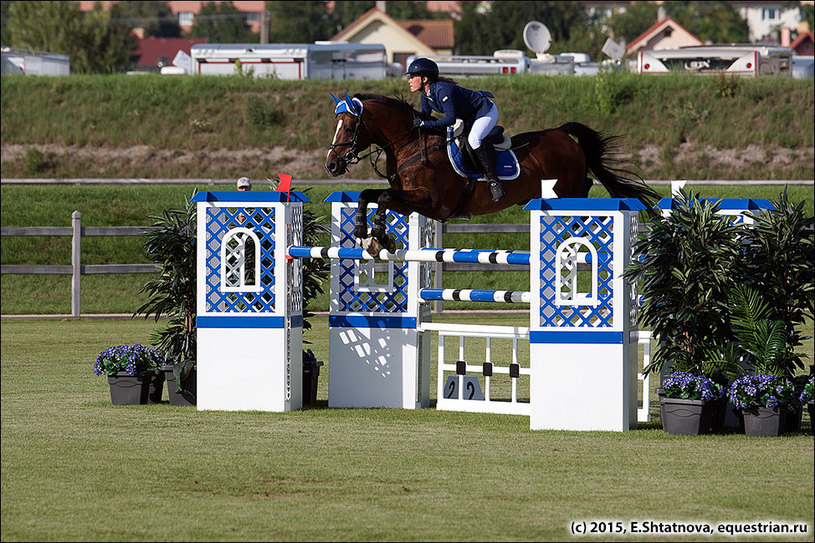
x,y
188,389
141,388
764,421
689,417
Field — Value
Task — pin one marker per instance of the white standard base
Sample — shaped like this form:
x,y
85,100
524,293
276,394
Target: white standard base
x,y
583,387
365,370
247,369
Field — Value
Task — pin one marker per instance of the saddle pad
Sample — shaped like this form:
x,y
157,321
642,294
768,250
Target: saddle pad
x,y
506,163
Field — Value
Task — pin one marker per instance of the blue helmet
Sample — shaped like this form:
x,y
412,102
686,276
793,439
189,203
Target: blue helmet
x,y
422,66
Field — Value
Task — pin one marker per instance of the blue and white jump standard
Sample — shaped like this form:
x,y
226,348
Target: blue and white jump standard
x,y
583,322
249,301
378,355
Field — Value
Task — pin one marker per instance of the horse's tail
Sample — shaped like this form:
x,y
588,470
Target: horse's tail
x,y
603,163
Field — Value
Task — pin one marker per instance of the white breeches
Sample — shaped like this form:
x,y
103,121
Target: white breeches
x,y
482,126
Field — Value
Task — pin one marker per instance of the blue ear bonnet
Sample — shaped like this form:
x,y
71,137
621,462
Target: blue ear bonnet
x,y
349,105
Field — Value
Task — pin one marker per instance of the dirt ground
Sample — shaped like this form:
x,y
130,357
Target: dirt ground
x,y
144,161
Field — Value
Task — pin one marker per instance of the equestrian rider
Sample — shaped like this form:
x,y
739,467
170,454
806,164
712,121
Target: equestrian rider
x,y
474,107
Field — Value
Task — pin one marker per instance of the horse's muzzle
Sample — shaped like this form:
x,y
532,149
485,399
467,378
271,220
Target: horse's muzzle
x,y
334,166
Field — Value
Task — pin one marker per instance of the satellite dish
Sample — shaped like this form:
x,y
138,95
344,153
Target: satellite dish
x,y
614,50
537,38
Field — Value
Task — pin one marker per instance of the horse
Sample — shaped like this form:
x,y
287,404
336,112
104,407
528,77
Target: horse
x,y
423,180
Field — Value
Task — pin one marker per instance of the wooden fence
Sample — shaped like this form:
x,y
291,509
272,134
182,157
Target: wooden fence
x,y
76,269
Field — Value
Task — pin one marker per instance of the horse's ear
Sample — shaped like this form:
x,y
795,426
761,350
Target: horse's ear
x,y
336,100
351,106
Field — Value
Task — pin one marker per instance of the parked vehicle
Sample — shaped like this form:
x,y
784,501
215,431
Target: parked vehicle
x,y
746,60
292,60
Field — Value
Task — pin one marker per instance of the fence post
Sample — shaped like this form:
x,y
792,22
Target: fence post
x,y
437,267
76,272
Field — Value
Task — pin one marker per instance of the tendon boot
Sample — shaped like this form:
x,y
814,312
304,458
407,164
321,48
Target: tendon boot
x,y
487,160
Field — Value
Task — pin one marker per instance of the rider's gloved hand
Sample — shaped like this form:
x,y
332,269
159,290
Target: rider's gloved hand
x,y
418,122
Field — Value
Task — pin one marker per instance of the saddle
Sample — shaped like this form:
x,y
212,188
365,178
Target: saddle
x,y
464,163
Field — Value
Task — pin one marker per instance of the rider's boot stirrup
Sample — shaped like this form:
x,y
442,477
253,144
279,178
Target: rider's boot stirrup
x,y
485,156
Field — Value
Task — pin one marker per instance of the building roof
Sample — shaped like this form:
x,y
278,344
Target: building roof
x,y
373,21
435,33
419,30
150,50
803,44
664,28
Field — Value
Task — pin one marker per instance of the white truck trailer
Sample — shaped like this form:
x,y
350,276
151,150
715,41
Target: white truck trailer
x,y
292,60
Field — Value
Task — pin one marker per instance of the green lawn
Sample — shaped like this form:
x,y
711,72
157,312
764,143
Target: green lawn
x,y
75,467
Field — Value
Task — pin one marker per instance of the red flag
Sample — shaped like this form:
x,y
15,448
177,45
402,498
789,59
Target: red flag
x,y
285,183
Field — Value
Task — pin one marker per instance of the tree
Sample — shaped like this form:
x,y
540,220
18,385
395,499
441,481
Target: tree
x,y
222,23
93,43
155,18
346,13
717,22
501,27
630,23
406,11
299,22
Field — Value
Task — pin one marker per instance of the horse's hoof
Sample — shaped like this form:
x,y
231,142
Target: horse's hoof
x,y
390,244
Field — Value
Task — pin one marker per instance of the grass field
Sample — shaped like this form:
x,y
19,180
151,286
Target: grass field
x,y
75,467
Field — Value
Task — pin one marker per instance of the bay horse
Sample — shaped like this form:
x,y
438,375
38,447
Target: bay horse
x,y
422,178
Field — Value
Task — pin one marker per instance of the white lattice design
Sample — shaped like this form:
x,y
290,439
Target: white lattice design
x,y
240,247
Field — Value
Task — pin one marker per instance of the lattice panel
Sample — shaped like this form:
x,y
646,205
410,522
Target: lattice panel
x,y
219,221
394,300
598,231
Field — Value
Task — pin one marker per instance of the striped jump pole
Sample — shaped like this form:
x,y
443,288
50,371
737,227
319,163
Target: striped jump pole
x,y
474,295
480,256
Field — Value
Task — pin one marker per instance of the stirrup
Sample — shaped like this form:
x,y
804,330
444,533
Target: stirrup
x,y
497,191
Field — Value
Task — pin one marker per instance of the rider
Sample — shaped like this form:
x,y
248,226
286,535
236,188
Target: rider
x,y
475,108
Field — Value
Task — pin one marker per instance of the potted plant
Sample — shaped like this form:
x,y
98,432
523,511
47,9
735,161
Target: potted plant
x,y
689,404
685,265
761,399
777,262
171,246
134,373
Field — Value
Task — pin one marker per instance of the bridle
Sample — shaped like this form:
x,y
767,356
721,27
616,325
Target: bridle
x,y
351,156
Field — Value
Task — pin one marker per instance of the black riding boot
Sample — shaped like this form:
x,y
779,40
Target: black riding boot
x,y
487,160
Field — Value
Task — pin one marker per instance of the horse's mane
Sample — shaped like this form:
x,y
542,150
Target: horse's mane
x,y
397,103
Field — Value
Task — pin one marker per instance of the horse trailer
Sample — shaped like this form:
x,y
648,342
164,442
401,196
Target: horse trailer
x,y
746,60
291,60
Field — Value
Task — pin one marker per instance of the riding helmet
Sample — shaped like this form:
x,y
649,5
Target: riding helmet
x,y
422,66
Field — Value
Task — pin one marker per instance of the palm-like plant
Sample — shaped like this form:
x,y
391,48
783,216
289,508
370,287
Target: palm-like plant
x,y
171,246
761,339
777,262
686,263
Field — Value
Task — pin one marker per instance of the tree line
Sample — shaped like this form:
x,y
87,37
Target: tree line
x,y
101,40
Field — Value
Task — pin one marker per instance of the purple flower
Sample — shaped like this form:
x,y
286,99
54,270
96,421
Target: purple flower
x,y
130,359
690,386
760,390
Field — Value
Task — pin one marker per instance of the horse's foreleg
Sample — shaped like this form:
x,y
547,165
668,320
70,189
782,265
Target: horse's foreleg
x,y
400,201
361,218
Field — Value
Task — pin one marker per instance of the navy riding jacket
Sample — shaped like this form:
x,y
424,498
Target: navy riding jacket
x,y
455,103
